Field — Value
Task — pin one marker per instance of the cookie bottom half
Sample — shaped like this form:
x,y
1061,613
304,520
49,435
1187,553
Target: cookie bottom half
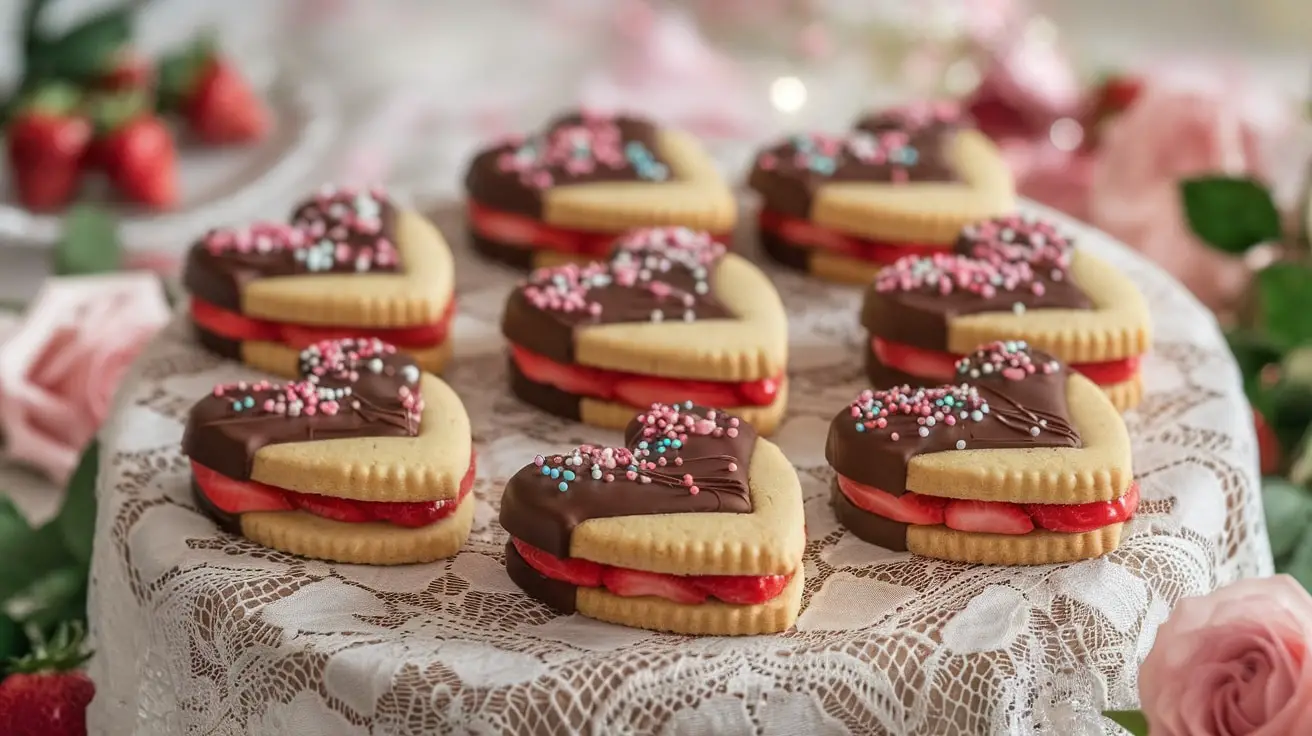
x,y
821,263
283,360
525,258
1039,547
711,618
369,543
1124,395
615,415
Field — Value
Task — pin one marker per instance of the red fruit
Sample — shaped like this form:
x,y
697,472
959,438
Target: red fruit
x,y
1268,446
46,145
909,508
47,694
570,378
578,572
1118,92
412,513
643,392
987,516
1084,517
231,324
746,590
236,496
934,364
137,150
130,70
337,509
759,393
222,108
632,583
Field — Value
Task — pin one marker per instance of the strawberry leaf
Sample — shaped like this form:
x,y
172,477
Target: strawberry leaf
x,y
1230,214
1282,290
1288,513
86,51
1130,720
89,243
26,553
77,518
1300,562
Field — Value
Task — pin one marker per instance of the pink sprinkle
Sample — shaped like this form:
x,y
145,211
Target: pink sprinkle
x,y
733,467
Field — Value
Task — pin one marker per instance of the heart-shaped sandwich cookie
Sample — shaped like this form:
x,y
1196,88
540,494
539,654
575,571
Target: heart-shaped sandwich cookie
x,y
904,181
349,264
564,194
670,317
694,526
1010,278
1017,462
365,459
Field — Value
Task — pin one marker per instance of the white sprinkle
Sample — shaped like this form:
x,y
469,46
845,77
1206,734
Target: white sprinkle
x,y
657,315
1018,308
1034,431
689,316
924,431
961,444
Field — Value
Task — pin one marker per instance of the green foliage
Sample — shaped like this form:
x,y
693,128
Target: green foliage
x,y
1130,720
1284,298
1230,214
89,243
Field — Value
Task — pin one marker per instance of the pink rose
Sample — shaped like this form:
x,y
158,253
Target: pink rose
x,y
60,368
1179,127
1233,662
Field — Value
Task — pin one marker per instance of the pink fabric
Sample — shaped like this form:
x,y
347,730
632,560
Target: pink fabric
x,y
1233,663
60,367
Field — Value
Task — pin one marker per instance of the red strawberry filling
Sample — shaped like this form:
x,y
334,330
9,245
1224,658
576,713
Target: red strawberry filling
x,y
519,230
942,366
745,590
236,326
810,235
641,391
993,517
242,496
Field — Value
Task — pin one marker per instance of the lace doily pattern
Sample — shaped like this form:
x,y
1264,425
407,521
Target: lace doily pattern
x,y
200,632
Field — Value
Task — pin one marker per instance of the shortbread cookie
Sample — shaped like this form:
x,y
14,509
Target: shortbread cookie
x,y
1011,278
366,459
567,192
671,317
350,264
903,182
694,526
1018,461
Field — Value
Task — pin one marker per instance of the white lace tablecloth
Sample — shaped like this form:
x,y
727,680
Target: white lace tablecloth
x,y
199,632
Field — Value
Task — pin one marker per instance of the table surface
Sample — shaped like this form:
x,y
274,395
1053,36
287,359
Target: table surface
x,y
201,632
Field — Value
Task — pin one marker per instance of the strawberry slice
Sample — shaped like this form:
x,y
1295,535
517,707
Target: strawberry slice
x,y
230,324
337,509
993,517
570,570
633,583
411,514
759,393
909,508
237,496
1085,517
746,590
513,229
643,392
807,234
573,379
935,364
1109,372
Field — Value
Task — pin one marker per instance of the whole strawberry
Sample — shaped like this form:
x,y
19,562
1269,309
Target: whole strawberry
x,y
136,150
216,101
45,145
46,693
129,70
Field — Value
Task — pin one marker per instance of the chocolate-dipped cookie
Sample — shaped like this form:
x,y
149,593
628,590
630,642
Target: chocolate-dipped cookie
x,y
1018,461
694,525
902,182
348,264
365,459
566,192
1014,277
672,316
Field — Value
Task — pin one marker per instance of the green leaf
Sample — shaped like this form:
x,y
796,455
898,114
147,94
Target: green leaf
x,y
1253,351
89,243
1288,512
12,642
86,51
1230,214
25,553
1130,720
1289,414
1283,313
77,518
1300,563
55,597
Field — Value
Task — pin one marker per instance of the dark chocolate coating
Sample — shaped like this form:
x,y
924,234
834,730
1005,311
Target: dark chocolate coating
x,y
221,346
230,523
491,186
534,510
557,594
785,252
514,256
547,398
872,528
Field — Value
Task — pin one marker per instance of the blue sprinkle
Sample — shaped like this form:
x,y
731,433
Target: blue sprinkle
x,y
568,475
249,401
860,427
546,470
676,443
563,487
642,445
236,405
555,472
661,448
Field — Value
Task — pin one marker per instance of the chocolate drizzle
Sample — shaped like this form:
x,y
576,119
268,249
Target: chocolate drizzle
x,y
1012,263
676,459
1010,397
351,388
577,148
654,275
339,230
902,145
